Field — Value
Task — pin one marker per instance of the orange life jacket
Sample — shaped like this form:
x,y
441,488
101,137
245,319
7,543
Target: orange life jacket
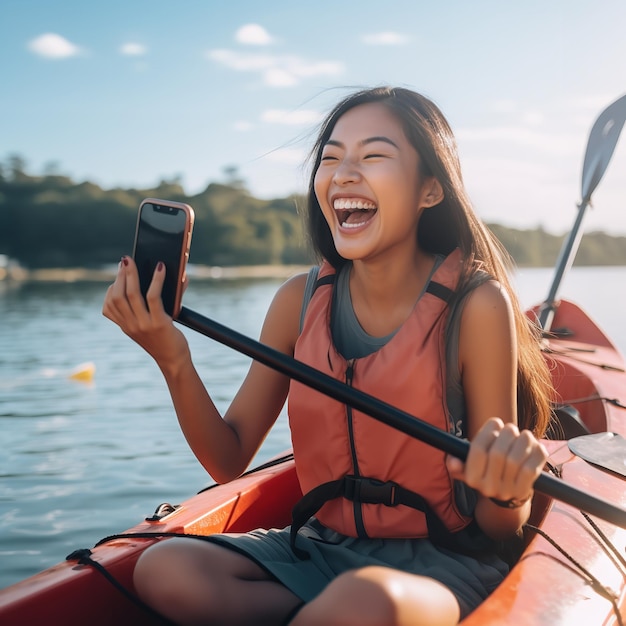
x,y
380,477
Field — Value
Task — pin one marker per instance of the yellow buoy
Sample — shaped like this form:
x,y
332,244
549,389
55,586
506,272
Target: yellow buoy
x,y
83,372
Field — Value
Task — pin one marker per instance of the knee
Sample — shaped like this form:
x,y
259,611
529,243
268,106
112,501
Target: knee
x,y
154,576
166,577
374,595
368,592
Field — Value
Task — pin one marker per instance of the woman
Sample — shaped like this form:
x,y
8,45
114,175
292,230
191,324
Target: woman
x,y
413,305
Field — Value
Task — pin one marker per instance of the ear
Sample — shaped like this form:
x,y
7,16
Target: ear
x,y
432,192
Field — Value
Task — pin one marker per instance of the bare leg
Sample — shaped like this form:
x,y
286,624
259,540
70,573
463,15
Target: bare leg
x,y
373,596
194,582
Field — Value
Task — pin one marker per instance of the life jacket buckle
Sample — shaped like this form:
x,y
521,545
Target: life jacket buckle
x,y
370,490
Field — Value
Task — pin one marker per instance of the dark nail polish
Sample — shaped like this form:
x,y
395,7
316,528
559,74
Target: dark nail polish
x,y
160,266
125,260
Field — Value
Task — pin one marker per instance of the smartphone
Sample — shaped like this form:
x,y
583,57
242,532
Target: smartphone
x,y
163,233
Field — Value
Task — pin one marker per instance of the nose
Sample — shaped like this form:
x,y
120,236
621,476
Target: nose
x,y
346,172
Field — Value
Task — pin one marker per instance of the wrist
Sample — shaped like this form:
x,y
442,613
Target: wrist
x,y
512,503
176,368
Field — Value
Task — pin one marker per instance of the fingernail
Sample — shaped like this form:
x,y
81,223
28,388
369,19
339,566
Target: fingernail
x,y
160,266
124,260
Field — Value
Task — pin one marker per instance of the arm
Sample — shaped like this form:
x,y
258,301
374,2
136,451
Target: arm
x,y
502,462
224,446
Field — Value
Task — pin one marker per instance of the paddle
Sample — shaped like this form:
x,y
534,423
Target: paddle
x,y
384,412
600,146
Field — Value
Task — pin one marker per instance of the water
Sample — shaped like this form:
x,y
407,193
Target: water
x,y
81,461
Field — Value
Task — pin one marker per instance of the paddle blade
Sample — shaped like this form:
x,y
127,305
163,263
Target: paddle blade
x,y
602,141
605,450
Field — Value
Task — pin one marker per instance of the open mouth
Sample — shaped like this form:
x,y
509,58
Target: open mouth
x,y
354,212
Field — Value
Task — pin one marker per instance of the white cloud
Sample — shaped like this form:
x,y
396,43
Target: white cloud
x,y
385,38
253,35
530,117
279,77
239,61
133,49
242,126
53,46
303,68
290,118
594,103
533,118
275,71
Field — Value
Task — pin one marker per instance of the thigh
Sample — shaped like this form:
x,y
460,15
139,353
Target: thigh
x,y
194,581
195,557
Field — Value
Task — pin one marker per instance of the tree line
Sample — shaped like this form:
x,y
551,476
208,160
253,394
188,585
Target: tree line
x,y
49,220
52,221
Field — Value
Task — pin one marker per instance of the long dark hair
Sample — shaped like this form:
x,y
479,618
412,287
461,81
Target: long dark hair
x,y
451,224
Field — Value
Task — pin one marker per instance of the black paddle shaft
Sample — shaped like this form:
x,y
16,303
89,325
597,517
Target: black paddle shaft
x,y
384,412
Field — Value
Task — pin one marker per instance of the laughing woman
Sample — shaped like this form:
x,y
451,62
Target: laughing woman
x,y
411,303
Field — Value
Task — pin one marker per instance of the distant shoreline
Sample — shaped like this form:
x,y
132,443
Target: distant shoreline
x,y
195,272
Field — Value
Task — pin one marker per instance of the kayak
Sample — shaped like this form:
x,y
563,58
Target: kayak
x,y
572,569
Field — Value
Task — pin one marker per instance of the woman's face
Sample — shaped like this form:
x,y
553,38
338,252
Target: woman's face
x,y
368,183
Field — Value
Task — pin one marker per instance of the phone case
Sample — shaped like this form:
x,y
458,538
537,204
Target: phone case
x,y
177,259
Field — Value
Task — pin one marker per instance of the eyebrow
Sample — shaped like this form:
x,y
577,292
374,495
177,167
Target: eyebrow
x,y
364,142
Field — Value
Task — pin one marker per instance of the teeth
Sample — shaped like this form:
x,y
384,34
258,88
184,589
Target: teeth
x,y
353,203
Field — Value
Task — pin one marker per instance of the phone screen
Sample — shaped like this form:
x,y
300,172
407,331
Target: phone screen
x,y
160,237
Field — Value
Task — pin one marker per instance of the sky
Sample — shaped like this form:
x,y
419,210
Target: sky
x,y
125,93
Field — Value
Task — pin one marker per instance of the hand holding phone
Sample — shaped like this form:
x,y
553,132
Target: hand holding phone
x,y
163,233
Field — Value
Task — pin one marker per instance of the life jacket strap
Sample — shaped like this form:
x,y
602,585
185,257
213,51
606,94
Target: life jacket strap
x,y
366,491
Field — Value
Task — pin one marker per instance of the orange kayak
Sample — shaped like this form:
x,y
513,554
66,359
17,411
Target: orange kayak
x,y
572,571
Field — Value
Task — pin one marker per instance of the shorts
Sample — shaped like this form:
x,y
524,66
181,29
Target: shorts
x,y
470,578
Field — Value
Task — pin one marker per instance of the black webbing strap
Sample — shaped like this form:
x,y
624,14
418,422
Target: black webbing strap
x,y
329,279
83,557
441,291
366,491
307,506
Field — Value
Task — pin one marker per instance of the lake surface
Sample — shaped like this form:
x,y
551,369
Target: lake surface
x,y
80,461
